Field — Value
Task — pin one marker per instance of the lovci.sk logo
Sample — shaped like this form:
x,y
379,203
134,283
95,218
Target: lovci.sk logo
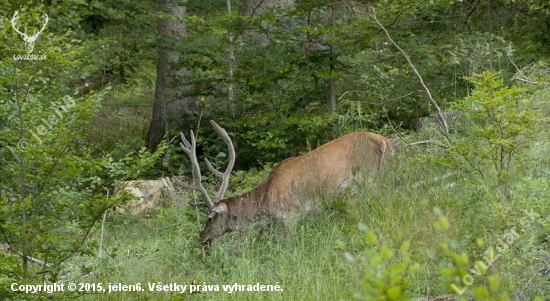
x,y
29,40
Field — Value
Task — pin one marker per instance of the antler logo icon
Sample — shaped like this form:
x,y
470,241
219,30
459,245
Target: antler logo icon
x,y
29,40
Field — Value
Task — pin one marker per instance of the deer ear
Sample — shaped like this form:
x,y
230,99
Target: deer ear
x,y
220,209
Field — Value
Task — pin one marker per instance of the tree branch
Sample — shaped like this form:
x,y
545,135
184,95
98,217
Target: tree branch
x,y
432,101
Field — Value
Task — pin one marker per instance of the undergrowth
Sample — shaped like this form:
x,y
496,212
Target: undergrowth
x,y
424,224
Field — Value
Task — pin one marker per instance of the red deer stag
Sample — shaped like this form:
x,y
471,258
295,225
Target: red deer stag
x,y
293,185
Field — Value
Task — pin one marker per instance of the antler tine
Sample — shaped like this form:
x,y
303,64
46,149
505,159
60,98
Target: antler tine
x,y
224,175
213,169
43,27
191,150
14,20
185,145
45,23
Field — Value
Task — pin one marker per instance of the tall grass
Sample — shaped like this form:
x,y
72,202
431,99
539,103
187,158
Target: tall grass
x,y
397,207
401,204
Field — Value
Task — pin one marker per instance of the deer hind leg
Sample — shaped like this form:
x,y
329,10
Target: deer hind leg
x,y
358,177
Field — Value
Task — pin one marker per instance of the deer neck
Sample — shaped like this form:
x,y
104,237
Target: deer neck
x,y
247,206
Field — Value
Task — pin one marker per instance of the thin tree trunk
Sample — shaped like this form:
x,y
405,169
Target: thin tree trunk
x,y
22,193
231,87
415,71
490,39
332,94
100,255
307,45
332,81
168,91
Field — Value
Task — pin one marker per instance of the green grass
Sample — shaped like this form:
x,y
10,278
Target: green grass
x,y
402,204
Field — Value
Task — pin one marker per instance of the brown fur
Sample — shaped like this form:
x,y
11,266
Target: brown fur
x,y
293,185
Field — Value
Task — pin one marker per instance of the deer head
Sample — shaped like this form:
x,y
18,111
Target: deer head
x,y
29,40
218,211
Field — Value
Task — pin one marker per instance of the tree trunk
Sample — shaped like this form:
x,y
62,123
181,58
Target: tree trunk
x,y
332,81
232,61
169,102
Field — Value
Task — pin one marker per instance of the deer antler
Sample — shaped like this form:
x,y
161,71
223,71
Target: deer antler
x,y
16,28
224,175
43,27
190,149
